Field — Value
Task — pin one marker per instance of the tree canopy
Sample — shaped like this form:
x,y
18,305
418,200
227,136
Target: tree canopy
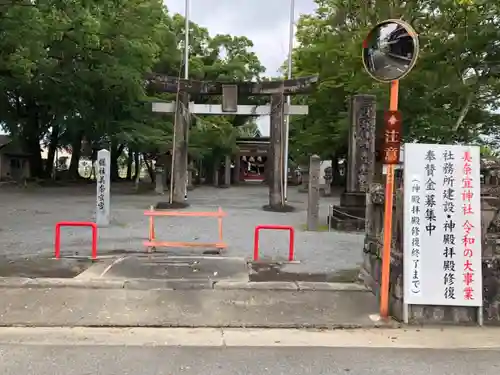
x,y
450,96
73,71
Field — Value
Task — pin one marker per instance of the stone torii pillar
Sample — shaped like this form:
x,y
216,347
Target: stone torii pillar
x,y
276,147
180,154
230,92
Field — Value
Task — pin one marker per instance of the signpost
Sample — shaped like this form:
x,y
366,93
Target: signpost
x,y
442,226
389,53
103,165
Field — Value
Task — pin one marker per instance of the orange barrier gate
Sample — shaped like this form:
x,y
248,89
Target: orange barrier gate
x,y
152,243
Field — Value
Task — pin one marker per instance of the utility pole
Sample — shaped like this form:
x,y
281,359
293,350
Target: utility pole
x,y
186,40
288,98
186,76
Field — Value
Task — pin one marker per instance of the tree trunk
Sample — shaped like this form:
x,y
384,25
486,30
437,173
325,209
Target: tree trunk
x,y
137,165
130,160
93,159
336,180
76,151
54,141
31,141
115,154
207,171
149,166
35,157
216,175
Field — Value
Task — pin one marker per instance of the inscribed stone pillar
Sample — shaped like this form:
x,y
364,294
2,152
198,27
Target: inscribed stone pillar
x,y
313,193
159,179
304,172
276,199
378,176
103,188
216,171
161,172
361,159
181,148
328,181
227,171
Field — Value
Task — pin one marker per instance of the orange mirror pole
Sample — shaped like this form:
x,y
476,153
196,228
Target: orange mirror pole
x,y
389,191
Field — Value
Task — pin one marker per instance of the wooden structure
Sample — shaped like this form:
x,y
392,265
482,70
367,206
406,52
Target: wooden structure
x,y
14,162
248,149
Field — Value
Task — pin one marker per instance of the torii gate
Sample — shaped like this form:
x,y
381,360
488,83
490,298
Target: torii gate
x,y
230,92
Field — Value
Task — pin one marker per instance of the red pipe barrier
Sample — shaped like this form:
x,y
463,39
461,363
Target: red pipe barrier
x,y
274,227
57,244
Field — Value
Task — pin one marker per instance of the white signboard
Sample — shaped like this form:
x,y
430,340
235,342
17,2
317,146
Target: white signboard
x,y
103,168
442,225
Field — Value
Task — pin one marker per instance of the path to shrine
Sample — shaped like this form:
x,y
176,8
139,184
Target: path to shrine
x,y
28,216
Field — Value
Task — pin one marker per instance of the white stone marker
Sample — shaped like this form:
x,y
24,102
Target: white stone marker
x,y
103,188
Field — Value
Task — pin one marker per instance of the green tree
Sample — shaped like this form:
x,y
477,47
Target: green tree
x,y
447,98
72,69
72,74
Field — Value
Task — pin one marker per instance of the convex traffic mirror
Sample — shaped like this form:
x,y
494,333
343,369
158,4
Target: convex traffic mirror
x,y
390,50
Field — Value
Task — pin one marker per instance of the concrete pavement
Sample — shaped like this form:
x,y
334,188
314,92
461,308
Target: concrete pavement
x,y
179,291
157,352
71,307
407,338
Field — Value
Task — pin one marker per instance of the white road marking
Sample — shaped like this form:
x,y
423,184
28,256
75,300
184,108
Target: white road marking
x,y
117,261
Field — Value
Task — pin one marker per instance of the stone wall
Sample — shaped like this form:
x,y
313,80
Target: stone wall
x,y
419,314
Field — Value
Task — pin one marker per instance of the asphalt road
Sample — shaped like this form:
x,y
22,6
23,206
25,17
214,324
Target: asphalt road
x,y
123,360
386,66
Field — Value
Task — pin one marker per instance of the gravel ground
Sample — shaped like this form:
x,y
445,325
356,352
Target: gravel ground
x,y
28,216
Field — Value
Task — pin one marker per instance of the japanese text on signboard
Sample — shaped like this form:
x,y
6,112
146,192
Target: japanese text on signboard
x,y
101,183
416,215
392,137
445,267
449,225
469,238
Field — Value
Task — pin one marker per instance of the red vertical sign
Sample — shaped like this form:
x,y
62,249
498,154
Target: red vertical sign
x,y
392,137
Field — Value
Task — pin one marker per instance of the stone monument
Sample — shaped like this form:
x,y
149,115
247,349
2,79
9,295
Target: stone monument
x,y
103,188
350,215
313,194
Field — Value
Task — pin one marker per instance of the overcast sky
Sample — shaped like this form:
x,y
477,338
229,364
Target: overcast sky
x,y
265,22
